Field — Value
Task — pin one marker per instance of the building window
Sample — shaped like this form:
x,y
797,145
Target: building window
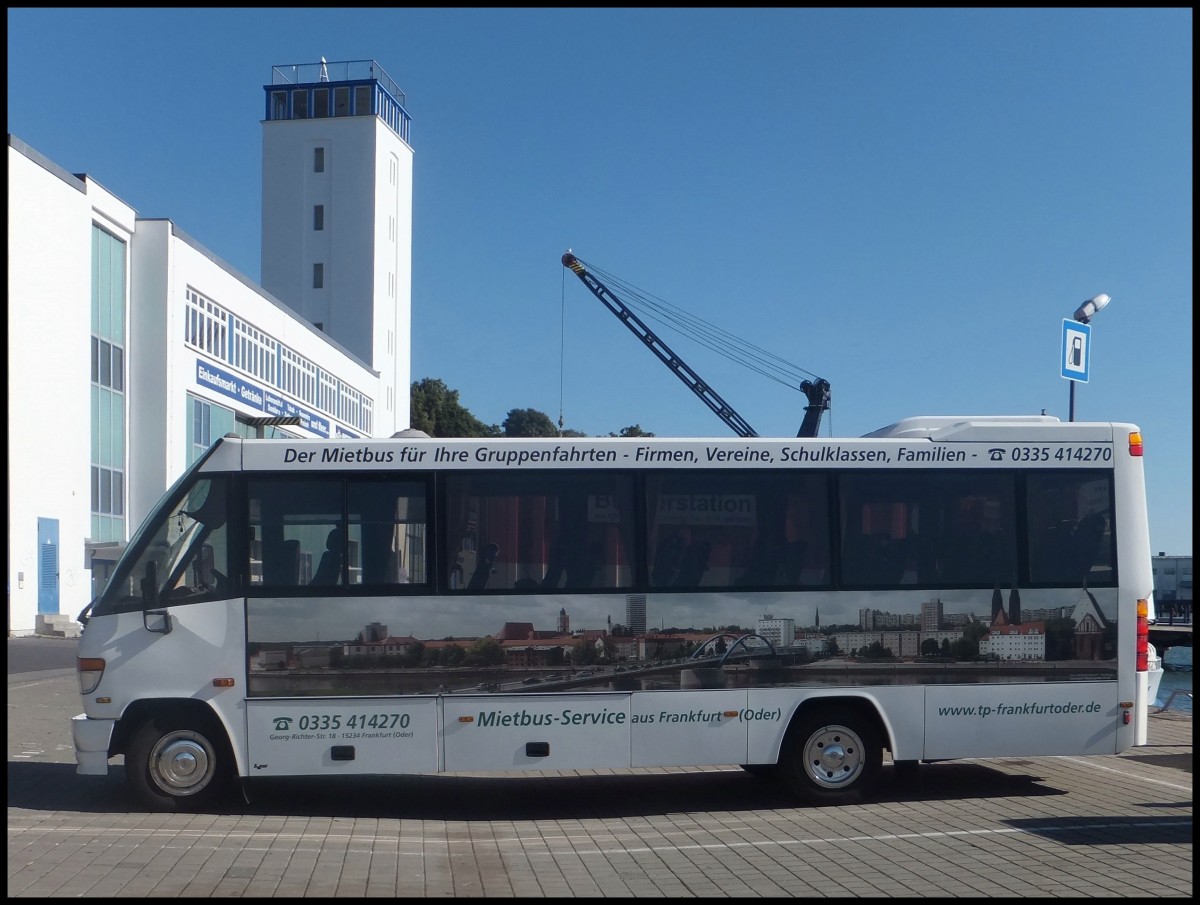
x,y
108,364
318,160
201,428
207,422
206,325
319,217
320,102
278,105
318,276
108,492
362,100
341,101
108,386
299,104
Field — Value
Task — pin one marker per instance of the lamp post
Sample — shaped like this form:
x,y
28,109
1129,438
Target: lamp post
x,y
1084,314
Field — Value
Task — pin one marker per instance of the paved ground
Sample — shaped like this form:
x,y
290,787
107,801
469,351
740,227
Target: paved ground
x,y
1054,826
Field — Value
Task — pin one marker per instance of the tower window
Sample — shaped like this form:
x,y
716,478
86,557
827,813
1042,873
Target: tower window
x,y
318,276
300,104
320,102
341,101
318,160
319,217
362,100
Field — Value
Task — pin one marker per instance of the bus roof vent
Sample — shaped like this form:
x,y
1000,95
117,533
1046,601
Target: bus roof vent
x,y
410,433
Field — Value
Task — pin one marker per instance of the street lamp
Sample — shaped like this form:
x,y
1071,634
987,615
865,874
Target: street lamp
x,y
1084,314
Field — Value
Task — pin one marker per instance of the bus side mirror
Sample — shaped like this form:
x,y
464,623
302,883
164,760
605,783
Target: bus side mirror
x,y
157,621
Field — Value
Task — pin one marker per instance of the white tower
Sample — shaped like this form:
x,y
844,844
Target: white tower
x,y
337,215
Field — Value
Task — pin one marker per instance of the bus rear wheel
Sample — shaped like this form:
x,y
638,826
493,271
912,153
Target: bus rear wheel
x,y
172,766
832,757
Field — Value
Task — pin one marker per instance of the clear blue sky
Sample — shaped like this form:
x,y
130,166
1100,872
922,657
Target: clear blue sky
x,y
906,203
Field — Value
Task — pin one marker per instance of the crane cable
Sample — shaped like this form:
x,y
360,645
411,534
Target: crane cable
x,y
562,346
706,334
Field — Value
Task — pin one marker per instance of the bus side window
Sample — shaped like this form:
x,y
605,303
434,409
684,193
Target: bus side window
x,y
329,571
290,520
667,557
693,564
281,563
389,517
1086,544
484,568
1067,527
290,570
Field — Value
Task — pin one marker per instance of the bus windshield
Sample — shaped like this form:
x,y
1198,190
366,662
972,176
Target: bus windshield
x,y
180,556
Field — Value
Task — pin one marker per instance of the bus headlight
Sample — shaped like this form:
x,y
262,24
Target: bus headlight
x,y
91,669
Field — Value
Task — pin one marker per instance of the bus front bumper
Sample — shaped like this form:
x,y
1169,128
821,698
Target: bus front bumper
x,y
91,739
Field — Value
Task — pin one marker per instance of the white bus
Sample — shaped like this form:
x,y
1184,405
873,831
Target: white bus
x,y
942,588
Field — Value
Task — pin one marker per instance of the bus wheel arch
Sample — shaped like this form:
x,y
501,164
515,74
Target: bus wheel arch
x,y
832,752
177,755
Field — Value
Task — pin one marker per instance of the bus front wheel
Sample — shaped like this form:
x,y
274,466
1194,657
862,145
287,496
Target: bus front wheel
x,y
173,766
832,757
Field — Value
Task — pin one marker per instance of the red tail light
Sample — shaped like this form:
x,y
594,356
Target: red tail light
x,y
1143,635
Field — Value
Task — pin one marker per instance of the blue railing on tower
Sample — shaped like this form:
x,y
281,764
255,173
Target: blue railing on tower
x,y
338,71
297,91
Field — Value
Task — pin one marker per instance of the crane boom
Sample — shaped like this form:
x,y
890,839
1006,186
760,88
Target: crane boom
x,y
681,369
817,391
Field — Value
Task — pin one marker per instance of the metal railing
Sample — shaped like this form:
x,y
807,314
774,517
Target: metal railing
x,y
340,71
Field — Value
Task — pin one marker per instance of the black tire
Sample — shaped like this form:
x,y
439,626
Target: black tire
x,y
174,765
832,756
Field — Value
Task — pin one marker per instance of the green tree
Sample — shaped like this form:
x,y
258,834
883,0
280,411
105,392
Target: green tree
x,y
451,655
436,410
963,649
876,651
528,423
414,655
1060,638
484,652
583,653
967,647
634,430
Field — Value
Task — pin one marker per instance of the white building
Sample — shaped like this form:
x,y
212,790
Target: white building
x,y
1172,579
779,632
1026,641
149,347
813,642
